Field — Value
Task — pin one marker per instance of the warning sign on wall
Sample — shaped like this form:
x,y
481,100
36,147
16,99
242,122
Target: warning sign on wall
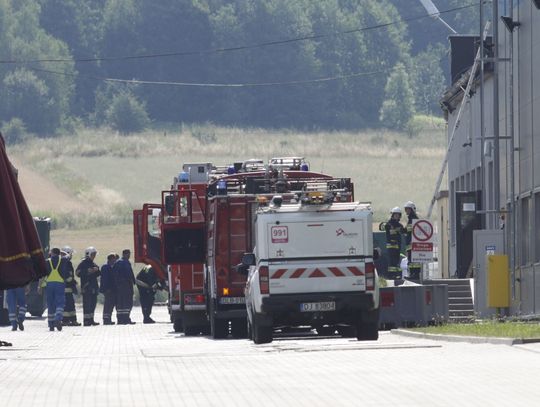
x,y
422,241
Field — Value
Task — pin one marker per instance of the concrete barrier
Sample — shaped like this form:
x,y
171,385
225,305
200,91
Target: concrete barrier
x,y
413,305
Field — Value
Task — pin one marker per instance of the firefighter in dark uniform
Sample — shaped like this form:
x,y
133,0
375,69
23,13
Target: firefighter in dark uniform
x,y
125,279
147,284
394,230
414,268
70,315
108,288
89,272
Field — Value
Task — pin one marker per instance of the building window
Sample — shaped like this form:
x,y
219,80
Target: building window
x,y
524,235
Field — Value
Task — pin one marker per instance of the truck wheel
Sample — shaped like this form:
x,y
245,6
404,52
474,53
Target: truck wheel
x,y
177,325
219,328
191,330
346,331
367,331
261,334
239,328
249,330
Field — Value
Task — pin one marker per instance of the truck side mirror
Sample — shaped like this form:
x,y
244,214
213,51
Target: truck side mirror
x,y
248,259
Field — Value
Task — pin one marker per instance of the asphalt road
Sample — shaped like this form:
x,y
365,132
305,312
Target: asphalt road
x,y
150,365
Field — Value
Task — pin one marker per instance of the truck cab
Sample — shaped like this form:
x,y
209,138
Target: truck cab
x,y
312,265
171,237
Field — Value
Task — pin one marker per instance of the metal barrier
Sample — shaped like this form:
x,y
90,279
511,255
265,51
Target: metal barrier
x,y
417,305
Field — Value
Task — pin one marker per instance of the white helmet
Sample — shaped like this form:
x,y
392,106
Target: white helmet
x,y
68,250
396,209
410,204
89,251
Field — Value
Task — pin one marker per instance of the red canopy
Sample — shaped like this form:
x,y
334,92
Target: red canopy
x,y
21,256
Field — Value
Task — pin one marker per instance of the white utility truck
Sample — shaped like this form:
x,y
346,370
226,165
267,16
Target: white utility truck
x,y
312,265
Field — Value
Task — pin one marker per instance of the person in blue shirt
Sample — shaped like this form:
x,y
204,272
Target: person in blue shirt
x,y
125,280
108,288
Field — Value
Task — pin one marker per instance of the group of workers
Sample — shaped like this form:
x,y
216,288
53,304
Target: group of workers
x,y
115,280
394,231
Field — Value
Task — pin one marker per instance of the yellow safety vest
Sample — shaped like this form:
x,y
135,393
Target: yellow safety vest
x,y
55,276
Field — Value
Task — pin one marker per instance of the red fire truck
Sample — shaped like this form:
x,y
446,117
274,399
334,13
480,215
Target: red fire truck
x,y
170,236
198,234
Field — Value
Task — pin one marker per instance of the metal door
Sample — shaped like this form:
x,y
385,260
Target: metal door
x,y
467,220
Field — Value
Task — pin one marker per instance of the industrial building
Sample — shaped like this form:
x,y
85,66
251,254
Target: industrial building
x,y
494,154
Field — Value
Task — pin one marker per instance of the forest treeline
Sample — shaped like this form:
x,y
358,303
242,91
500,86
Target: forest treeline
x,y
316,64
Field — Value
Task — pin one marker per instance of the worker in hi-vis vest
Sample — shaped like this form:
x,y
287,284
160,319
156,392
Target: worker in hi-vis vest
x,y
57,277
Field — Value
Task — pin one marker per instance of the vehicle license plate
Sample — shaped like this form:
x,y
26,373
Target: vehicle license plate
x,y
232,300
317,306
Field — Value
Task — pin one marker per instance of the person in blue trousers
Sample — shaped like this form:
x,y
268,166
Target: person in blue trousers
x,y
57,277
15,298
108,288
124,281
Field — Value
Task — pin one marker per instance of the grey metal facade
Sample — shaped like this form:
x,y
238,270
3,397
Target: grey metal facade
x,y
465,171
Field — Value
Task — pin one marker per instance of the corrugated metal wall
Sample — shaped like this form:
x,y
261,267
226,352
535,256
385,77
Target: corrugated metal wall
x,y
464,172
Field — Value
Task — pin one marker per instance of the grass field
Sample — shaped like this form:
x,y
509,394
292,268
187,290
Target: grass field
x,y
90,182
105,239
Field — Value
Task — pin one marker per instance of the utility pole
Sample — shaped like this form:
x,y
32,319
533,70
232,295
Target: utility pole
x,y
496,145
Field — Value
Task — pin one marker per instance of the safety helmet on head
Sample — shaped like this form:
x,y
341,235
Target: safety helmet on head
x,y
68,251
396,209
89,251
410,204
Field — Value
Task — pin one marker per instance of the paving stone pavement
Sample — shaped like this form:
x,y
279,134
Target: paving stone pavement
x,y
150,365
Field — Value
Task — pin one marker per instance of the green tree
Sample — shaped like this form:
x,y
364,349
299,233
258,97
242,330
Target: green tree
x,y
29,98
428,79
41,99
398,106
79,24
127,114
14,131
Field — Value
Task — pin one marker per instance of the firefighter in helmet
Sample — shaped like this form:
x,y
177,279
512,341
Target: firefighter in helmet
x,y
414,268
70,316
89,272
394,230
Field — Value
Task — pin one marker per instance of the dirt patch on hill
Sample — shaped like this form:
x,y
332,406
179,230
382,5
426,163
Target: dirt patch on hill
x,y
43,195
